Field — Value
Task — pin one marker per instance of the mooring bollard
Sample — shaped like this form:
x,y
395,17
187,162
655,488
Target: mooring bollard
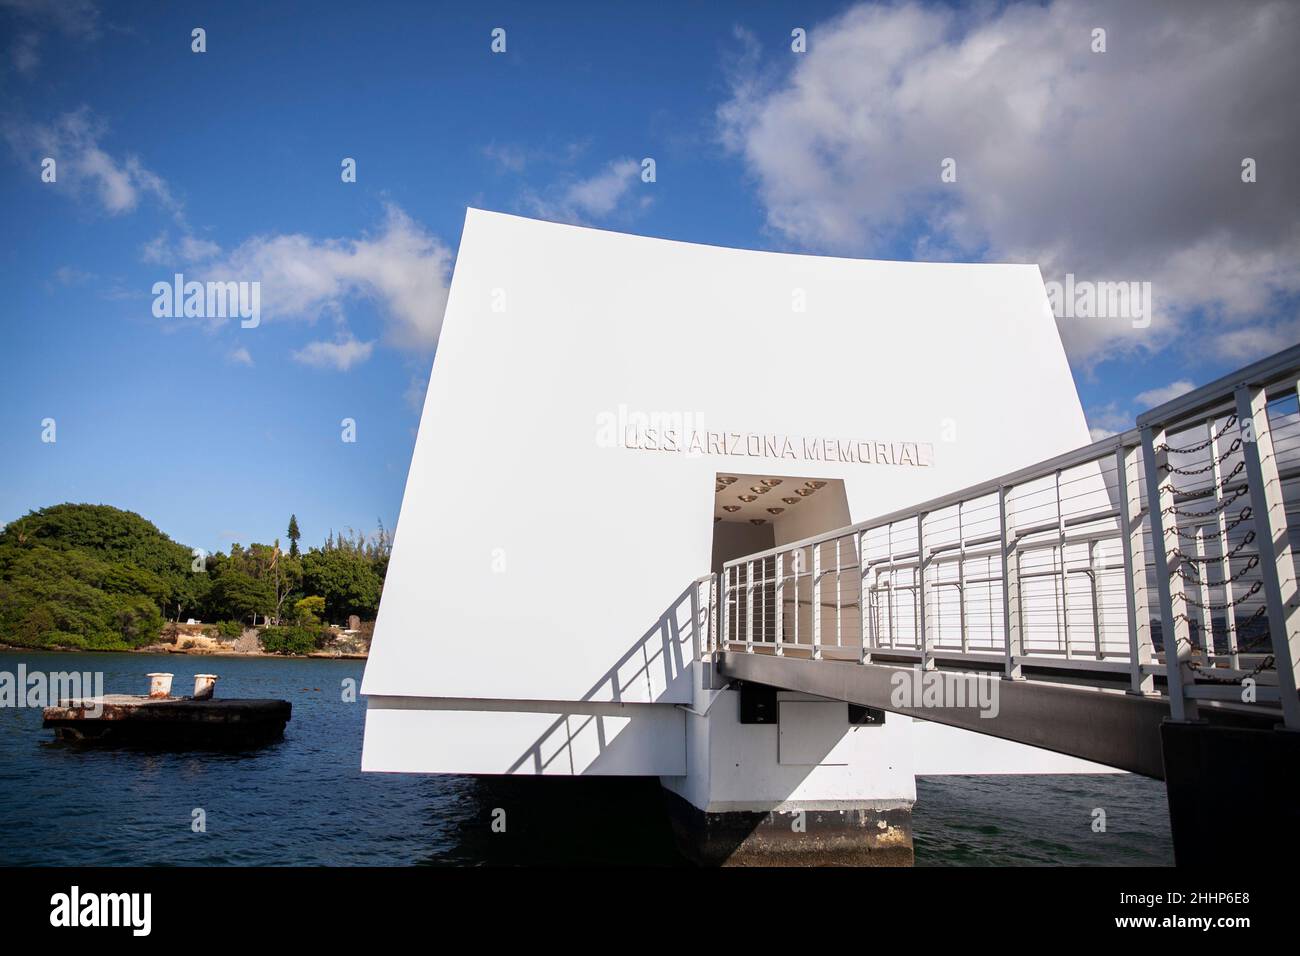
x,y
160,685
204,685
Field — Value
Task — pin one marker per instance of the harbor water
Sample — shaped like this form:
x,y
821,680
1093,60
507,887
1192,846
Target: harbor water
x,y
304,800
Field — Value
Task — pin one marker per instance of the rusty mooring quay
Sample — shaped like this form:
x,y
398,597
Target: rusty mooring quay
x,y
160,720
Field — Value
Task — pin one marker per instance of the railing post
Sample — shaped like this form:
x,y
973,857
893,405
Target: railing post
x,y
697,642
961,578
890,596
724,635
922,595
1169,582
780,603
817,602
797,573
714,595
1204,596
1225,562
1011,617
1095,570
1276,565
1065,572
839,609
1135,571
866,617
749,607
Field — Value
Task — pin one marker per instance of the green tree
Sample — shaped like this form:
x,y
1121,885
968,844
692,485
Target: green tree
x,y
309,610
191,596
89,576
70,598
97,577
291,640
237,595
345,579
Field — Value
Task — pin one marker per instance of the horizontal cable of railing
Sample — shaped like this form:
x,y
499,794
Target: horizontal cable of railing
x,y
1068,561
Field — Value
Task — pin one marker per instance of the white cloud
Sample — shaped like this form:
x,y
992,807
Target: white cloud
x,y
1248,342
73,142
69,275
1167,393
24,54
241,356
1123,165
1108,420
595,197
598,195
1111,418
403,268
78,19
341,355
415,391
510,158
189,249
515,158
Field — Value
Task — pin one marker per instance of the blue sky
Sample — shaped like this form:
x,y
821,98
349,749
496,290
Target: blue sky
x,y
228,163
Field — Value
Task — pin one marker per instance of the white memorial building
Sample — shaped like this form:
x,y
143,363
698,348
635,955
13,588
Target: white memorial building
x,y
610,417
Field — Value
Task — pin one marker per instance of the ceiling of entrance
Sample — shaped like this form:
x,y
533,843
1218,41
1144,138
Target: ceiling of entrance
x,y
761,498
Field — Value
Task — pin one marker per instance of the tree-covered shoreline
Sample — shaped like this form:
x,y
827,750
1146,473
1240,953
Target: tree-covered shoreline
x,y
94,577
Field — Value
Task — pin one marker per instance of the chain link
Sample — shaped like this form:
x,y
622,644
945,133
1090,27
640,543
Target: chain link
x,y
1164,446
1175,510
1196,579
1236,443
1243,515
1250,536
1222,486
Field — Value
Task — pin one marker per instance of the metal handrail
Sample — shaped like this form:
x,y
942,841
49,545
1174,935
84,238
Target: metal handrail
x,y
1121,493
1268,373
1071,459
708,607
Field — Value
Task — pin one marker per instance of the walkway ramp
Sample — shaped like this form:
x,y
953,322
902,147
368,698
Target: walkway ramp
x,y
1083,601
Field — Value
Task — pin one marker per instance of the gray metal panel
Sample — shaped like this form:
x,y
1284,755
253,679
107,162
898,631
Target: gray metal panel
x,y
1108,727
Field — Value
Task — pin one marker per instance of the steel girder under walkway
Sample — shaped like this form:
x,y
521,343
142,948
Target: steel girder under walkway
x,y
1104,725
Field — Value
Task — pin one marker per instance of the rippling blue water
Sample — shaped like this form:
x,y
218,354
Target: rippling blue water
x,y
1041,820
304,800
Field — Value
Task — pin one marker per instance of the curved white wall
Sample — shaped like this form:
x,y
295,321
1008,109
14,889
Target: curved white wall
x,y
533,561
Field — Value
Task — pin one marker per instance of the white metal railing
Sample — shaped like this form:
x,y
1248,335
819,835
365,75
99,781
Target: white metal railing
x,y
1175,533
704,615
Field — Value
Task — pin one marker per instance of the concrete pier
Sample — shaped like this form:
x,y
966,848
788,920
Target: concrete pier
x,y
777,778
123,719
866,836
